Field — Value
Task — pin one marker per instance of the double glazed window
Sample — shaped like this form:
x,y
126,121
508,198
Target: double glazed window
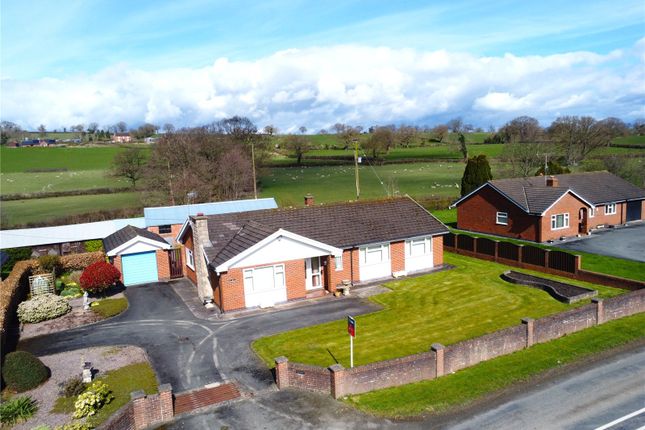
x,y
339,262
559,221
419,247
610,209
190,260
165,229
375,254
502,218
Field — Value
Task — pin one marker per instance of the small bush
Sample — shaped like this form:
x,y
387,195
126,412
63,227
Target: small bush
x,y
99,276
23,371
49,263
17,410
93,245
88,403
72,387
42,307
71,292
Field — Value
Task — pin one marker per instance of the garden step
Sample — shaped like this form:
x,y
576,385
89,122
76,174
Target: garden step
x,y
190,401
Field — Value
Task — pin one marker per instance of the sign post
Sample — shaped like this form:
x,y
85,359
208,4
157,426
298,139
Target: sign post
x,y
351,329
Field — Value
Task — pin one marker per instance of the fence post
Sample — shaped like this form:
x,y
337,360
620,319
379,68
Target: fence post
x,y
600,310
438,350
475,240
139,409
496,242
546,259
456,243
520,257
337,375
577,264
165,402
282,372
529,323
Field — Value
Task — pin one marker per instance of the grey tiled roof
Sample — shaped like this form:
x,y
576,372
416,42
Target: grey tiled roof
x,y
532,194
341,225
127,233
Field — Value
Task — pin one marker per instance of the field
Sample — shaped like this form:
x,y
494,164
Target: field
x,y
43,182
38,210
14,160
446,307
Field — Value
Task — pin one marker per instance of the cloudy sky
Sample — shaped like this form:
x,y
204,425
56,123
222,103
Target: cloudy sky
x,y
314,63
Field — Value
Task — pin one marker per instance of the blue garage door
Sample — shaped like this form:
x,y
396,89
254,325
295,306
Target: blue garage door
x,y
139,268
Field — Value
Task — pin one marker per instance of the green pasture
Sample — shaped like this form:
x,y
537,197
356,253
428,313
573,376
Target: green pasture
x,y
630,140
467,301
433,151
40,210
43,182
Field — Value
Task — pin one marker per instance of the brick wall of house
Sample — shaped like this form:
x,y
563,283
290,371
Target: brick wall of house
x,y
600,218
478,213
163,264
336,277
295,279
437,250
217,289
188,243
117,263
174,230
397,256
567,204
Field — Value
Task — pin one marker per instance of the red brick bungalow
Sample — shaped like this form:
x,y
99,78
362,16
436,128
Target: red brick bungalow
x,y
260,258
543,209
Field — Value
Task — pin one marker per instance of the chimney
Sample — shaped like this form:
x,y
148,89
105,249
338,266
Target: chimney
x,y
551,181
309,200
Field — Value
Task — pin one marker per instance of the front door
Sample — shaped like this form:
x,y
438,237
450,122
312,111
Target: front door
x,y
582,224
313,271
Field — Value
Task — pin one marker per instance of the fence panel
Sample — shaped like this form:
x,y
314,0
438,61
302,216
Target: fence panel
x,y
509,251
562,261
486,246
467,243
449,240
533,255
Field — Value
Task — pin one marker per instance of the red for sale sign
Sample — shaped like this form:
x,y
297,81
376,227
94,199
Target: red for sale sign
x,y
351,326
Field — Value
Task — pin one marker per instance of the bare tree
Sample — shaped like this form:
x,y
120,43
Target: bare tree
x,y
578,136
323,131
406,135
639,127
233,177
168,128
440,132
79,129
521,129
270,130
380,140
524,158
10,132
297,145
120,127
130,164
456,125
302,129
145,130
42,131
614,127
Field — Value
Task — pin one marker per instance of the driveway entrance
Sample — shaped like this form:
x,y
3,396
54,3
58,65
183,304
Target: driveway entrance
x,y
624,242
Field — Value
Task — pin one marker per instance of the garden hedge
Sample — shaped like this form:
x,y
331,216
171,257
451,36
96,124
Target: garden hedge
x,y
23,371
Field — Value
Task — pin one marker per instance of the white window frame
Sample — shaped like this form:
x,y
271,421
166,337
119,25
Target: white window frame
x,y
190,258
610,209
501,215
427,244
278,273
385,253
565,221
592,212
339,262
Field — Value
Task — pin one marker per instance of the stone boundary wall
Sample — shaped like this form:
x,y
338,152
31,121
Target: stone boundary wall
x,y
555,262
440,360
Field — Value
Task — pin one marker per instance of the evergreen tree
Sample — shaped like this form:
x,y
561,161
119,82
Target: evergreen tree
x,y
476,173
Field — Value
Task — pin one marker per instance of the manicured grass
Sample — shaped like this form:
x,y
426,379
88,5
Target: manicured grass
x,y
122,382
467,385
446,307
73,158
64,405
43,182
593,262
110,307
37,210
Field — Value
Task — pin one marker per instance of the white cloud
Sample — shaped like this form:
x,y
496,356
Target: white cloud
x,y
319,86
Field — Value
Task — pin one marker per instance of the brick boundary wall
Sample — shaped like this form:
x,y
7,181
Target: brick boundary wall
x,y
143,411
575,272
440,360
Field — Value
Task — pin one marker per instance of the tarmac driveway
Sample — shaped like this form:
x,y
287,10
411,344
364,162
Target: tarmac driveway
x,y
624,242
189,352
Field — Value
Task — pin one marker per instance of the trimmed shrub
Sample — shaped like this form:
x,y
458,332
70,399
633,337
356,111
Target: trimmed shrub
x,y
49,263
17,410
88,403
99,276
15,255
42,307
72,387
93,245
81,261
23,371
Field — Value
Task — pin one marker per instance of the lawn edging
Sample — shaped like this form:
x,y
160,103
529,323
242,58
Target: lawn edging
x,y
443,360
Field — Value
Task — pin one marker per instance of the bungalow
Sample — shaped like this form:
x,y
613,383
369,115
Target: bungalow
x,y
543,208
260,258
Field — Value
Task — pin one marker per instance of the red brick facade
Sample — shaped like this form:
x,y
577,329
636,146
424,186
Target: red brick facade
x,y
163,265
437,250
397,256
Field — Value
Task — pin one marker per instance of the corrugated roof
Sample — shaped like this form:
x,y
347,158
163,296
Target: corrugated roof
x,y
128,233
64,233
341,225
165,215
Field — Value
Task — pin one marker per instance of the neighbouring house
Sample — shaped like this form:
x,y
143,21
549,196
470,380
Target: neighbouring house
x,y
121,137
256,259
547,208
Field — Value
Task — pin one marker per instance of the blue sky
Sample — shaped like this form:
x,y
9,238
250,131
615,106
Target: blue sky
x,y
99,52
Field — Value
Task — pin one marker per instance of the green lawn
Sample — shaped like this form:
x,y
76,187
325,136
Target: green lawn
x,y
110,307
593,262
14,160
43,182
432,151
462,387
446,307
630,140
38,210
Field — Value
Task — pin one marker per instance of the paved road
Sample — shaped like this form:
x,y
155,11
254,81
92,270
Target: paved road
x,y
625,242
588,400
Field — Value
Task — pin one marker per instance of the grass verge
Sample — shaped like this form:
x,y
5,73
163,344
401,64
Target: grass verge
x,y
110,307
446,307
469,384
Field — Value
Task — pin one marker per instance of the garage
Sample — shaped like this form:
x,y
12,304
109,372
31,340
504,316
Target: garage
x,y
139,268
264,286
634,210
418,254
134,252
374,262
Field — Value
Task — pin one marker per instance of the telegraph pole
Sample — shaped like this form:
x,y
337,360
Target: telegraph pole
x,y
358,185
255,186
